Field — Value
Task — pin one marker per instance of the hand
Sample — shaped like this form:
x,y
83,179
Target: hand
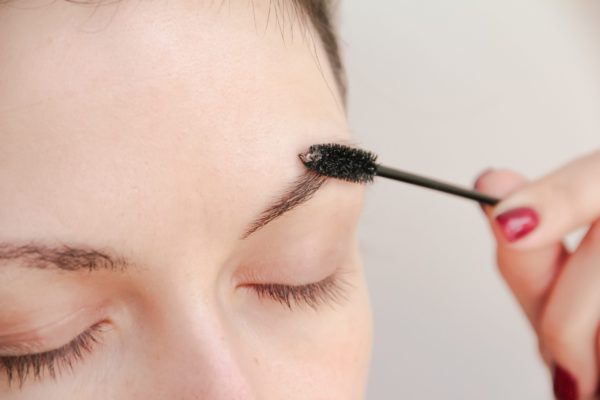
x,y
558,289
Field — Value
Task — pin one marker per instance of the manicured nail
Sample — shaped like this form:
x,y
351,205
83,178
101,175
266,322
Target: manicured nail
x,y
517,223
565,387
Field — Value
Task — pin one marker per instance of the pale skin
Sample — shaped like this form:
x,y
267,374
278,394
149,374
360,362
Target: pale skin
x,y
137,130
157,131
558,288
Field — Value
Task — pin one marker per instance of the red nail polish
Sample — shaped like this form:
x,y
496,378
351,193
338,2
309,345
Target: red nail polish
x,y
517,223
565,387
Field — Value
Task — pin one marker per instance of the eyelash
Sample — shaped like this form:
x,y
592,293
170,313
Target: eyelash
x,y
52,362
330,290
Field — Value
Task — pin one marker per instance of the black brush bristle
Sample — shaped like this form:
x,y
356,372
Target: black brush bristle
x,y
342,162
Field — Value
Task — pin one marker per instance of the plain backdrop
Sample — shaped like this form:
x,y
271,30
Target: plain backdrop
x,y
447,89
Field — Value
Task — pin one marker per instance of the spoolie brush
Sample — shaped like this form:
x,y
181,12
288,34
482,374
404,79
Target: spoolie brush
x,y
359,166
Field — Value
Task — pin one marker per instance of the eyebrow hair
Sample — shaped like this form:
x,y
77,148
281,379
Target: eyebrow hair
x,y
299,192
69,258
61,257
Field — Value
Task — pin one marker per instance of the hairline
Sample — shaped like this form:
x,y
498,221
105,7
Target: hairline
x,y
319,13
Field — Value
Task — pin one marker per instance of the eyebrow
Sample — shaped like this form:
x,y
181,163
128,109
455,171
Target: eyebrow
x,y
62,257
68,258
297,193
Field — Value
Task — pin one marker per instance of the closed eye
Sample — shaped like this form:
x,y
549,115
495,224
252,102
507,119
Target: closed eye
x,y
331,290
53,362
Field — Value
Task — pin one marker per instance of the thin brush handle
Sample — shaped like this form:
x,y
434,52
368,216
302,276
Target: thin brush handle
x,y
391,173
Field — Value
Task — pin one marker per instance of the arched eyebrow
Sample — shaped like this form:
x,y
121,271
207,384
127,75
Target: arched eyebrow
x,y
62,257
299,192
69,258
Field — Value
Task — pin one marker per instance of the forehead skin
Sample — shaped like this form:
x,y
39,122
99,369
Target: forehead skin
x,y
160,130
179,109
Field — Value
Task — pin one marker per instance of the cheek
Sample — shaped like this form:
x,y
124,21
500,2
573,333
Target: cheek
x,y
326,357
332,367
346,353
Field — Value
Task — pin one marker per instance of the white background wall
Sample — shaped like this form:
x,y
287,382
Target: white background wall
x,y
446,89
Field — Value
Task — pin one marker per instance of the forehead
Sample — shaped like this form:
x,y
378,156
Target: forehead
x,y
59,48
153,107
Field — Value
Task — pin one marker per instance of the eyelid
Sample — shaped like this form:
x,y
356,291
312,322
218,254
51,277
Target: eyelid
x,y
303,262
51,335
52,361
331,291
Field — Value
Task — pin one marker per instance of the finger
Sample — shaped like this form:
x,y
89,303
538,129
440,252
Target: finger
x,y
547,210
569,323
529,274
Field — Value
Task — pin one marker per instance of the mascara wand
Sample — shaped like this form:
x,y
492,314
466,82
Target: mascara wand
x,y
358,166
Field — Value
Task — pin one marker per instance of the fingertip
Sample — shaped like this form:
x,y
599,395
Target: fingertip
x,y
481,176
499,182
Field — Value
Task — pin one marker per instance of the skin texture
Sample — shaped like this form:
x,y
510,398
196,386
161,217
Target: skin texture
x,y
159,131
556,286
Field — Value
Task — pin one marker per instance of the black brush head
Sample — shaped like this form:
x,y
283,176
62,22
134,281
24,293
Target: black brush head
x,y
341,162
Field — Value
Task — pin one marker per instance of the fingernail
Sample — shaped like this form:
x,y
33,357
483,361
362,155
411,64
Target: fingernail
x,y
517,223
565,387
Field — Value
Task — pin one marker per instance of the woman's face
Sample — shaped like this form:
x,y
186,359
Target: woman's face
x,y
156,133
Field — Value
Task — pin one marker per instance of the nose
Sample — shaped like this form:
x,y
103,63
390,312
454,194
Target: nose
x,y
198,354
209,367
